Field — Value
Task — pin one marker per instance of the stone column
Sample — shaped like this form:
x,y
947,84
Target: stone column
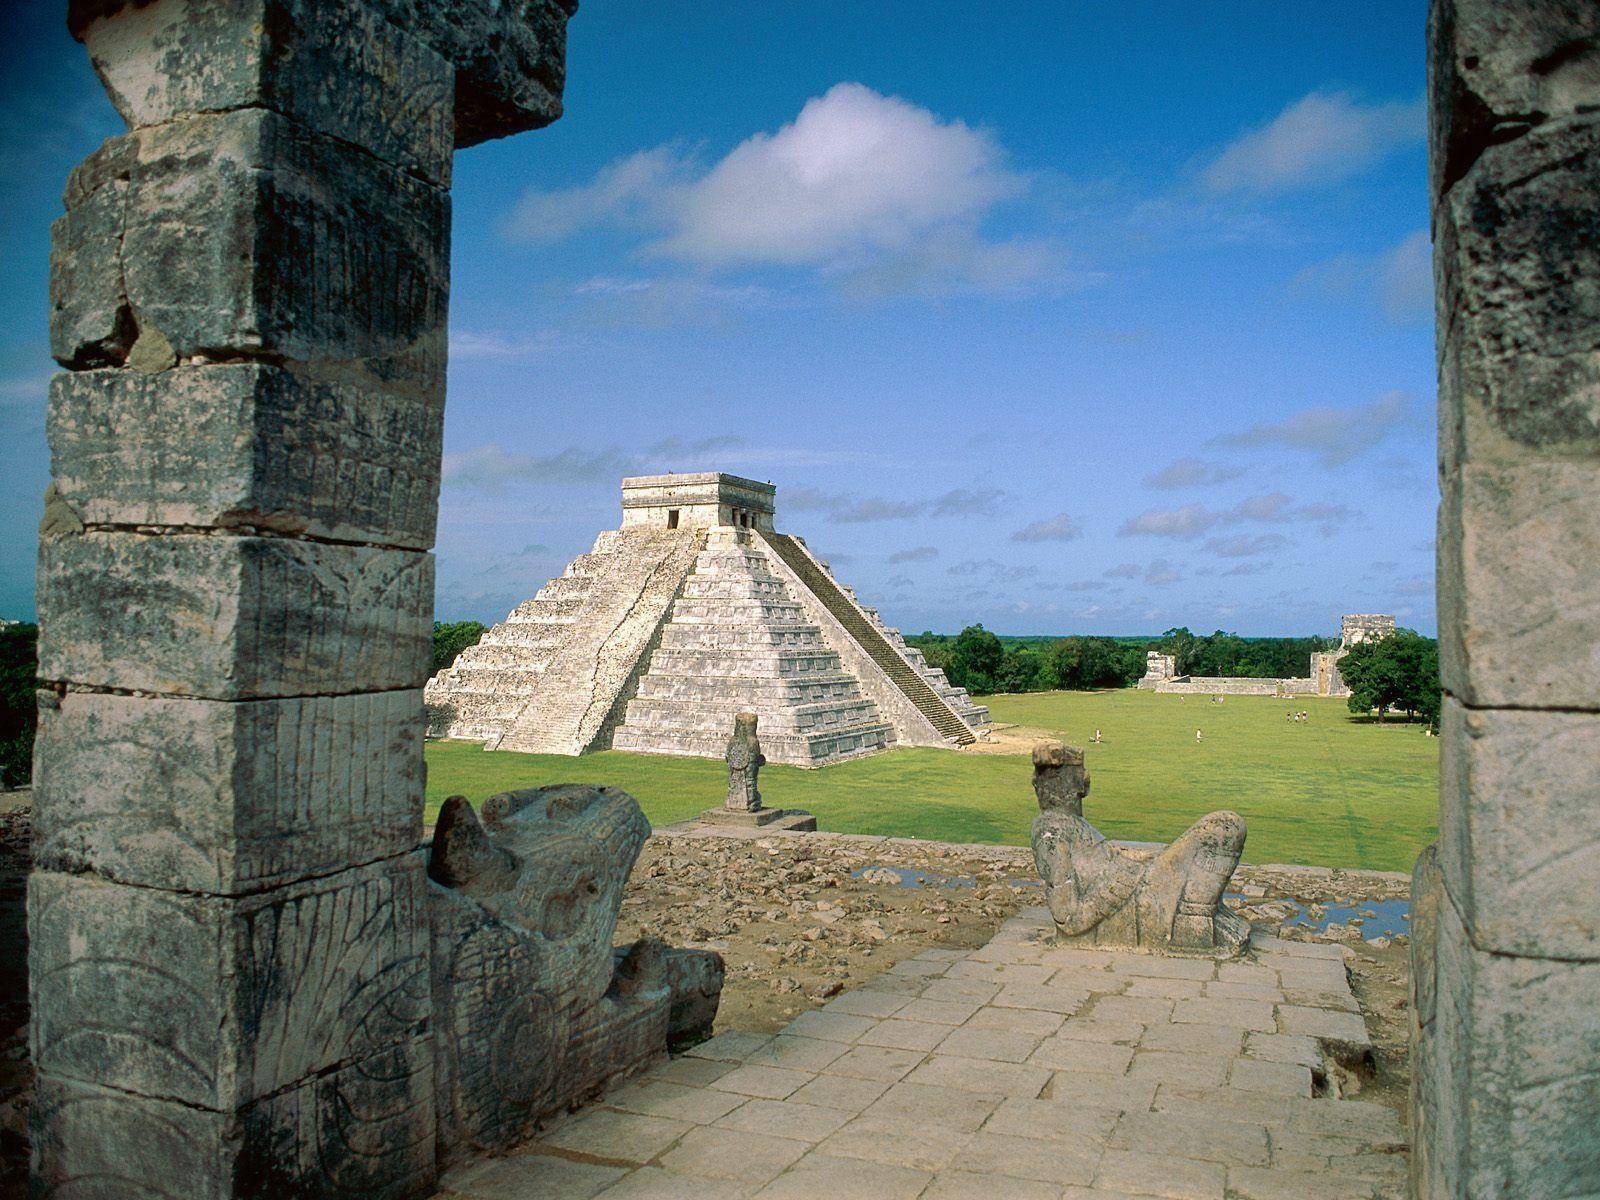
x,y
229,946
1506,970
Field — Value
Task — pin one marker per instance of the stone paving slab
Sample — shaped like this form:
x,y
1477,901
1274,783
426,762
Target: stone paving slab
x,y
1019,1070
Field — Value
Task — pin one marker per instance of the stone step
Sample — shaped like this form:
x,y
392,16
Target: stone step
x,y
943,717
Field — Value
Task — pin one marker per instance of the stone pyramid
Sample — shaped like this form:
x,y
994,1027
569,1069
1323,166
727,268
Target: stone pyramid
x,y
694,610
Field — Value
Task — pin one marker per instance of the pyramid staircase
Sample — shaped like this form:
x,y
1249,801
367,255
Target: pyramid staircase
x,y
483,695
594,671
869,634
738,639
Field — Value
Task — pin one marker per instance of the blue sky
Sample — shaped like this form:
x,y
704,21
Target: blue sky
x,y
1064,317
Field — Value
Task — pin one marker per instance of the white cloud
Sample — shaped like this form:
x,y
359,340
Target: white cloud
x,y
1059,528
1321,138
871,191
1407,279
1192,472
855,171
1162,573
492,468
914,554
849,508
1334,435
1189,521
1245,546
627,191
962,502
469,344
25,390
993,571
1185,521
1399,281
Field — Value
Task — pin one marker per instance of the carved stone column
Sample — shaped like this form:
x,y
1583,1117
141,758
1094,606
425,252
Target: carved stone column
x,y
1506,958
229,949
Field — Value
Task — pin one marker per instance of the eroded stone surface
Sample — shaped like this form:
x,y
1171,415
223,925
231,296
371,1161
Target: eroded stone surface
x,y
1099,894
962,1116
533,1007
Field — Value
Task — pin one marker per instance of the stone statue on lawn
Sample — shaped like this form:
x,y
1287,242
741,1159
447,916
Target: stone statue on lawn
x,y
1102,894
745,760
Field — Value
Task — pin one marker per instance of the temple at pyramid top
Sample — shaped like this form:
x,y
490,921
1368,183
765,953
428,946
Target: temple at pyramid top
x,y
694,610
690,501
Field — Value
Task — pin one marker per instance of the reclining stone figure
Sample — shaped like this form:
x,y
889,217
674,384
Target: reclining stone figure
x,y
1103,895
535,1008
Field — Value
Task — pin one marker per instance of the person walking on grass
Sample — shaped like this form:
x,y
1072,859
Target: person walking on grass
x,y
1197,735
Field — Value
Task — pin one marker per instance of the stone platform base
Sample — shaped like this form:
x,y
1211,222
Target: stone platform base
x,y
792,820
1021,1069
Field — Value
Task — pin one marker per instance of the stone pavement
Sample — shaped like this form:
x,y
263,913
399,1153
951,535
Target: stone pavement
x,y
1017,1070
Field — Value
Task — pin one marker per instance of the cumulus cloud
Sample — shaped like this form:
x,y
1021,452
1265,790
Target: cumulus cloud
x,y
1333,435
1192,472
1189,521
1125,571
1059,528
627,191
914,554
1399,281
25,390
1085,585
1245,546
850,508
1321,138
1185,521
1420,585
492,468
1248,568
877,193
960,502
992,571
1161,573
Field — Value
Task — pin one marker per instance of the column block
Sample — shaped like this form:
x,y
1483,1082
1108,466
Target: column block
x,y
215,1001
1517,837
364,1132
1517,1048
249,445
226,798
1518,544
245,234
336,67
233,618
1517,254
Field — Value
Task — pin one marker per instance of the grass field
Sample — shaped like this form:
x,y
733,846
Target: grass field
x,y
1332,791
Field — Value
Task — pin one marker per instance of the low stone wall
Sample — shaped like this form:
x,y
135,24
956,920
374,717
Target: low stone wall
x,y
1239,686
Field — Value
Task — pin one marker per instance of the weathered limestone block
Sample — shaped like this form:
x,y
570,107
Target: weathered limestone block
x,y
212,796
233,618
1499,69
1100,895
218,1001
533,1007
338,67
245,234
1523,860
248,446
1514,1090
1518,546
510,59
1518,275
363,1132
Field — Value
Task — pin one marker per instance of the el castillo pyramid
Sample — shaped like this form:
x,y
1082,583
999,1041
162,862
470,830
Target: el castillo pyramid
x,y
693,611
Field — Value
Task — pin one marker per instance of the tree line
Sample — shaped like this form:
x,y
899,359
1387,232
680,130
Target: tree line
x,y
1398,674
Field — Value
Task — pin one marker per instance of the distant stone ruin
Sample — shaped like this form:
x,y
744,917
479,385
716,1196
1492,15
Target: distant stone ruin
x,y
694,610
1324,680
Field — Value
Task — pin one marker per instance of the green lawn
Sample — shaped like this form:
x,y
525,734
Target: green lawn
x,y
1333,791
